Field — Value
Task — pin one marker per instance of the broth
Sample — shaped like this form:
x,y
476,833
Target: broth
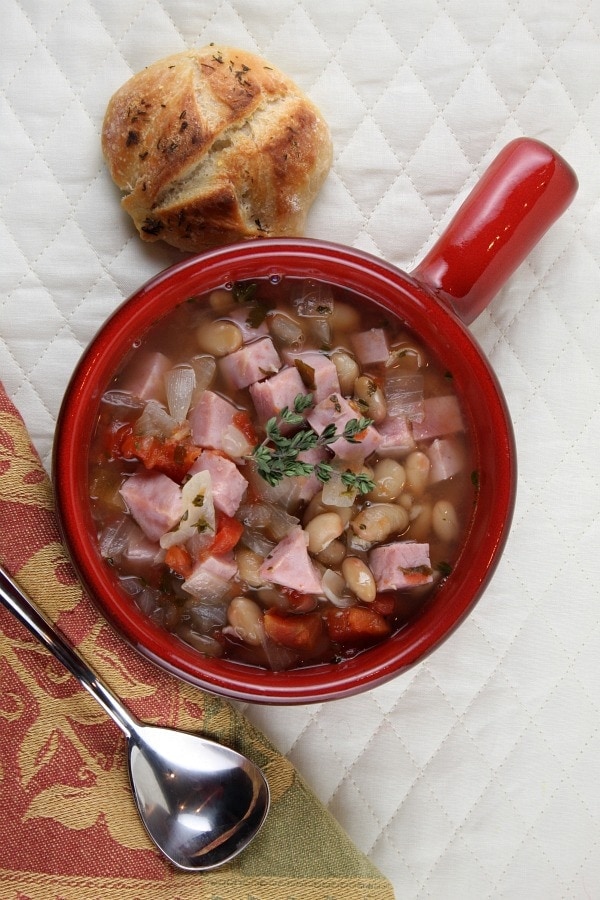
x,y
280,474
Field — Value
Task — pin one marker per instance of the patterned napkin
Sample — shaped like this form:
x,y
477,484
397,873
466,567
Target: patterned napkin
x,y
70,827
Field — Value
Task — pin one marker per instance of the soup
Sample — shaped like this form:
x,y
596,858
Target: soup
x,y
280,474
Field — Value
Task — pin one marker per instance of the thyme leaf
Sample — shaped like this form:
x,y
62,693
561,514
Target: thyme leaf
x,y
276,457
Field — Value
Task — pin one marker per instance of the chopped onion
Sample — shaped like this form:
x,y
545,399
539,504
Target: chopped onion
x,y
198,511
180,382
205,617
204,367
313,299
155,421
336,493
235,443
404,395
286,330
334,588
257,542
122,400
266,517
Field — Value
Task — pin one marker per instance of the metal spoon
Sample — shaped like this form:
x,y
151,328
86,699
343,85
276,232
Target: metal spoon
x,y
201,803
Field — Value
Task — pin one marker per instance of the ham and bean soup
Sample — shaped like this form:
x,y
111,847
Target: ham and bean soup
x,y
280,475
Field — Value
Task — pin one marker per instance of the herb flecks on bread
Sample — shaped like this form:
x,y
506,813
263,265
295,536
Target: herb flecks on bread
x,y
215,145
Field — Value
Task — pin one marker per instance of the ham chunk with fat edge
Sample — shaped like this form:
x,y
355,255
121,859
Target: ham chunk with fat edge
x,y
337,411
274,394
154,501
210,578
371,347
227,482
447,458
325,379
252,362
442,416
403,564
212,423
290,565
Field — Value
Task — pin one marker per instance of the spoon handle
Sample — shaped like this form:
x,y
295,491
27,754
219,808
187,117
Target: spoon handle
x,y
25,610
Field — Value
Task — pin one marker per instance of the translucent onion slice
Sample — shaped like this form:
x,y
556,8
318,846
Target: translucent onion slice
x,y
286,330
313,299
334,588
198,511
180,382
336,493
270,520
204,367
155,421
404,395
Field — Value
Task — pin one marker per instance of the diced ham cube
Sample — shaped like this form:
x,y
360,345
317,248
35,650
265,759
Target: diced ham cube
x,y
442,416
210,578
154,501
290,565
337,411
325,375
447,458
371,346
250,363
146,378
275,393
403,564
212,426
228,483
396,436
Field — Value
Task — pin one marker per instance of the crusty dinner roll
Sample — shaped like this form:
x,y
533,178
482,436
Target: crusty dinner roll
x,y
215,145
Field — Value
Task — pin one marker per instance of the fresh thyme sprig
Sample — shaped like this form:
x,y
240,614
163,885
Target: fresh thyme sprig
x,y
276,457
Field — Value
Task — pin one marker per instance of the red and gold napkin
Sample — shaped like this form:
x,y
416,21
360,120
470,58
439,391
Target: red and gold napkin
x,y
70,827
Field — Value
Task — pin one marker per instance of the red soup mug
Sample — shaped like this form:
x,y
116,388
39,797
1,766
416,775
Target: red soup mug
x,y
523,192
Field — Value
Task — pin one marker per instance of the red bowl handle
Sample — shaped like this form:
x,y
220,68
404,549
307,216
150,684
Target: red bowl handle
x,y
525,189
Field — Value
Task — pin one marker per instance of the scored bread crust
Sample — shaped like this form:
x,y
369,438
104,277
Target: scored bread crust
x,y
215,145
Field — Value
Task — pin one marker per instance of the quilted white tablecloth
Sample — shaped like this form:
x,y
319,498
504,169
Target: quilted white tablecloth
x,y
477,774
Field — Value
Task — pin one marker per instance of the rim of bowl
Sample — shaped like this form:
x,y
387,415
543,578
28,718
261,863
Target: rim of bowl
x,y
475,383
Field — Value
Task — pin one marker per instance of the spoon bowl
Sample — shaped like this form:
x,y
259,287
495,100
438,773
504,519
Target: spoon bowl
x,y
200,818
200,802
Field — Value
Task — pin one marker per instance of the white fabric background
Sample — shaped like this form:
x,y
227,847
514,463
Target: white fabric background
x,y
475,775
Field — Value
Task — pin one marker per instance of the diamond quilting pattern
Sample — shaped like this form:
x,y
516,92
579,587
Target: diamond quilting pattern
x,y
476,774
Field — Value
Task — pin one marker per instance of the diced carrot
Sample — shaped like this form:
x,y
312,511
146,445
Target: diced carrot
x,y
243,422
384,604
179,560
228,533
301,632
298,602
356,624
173,458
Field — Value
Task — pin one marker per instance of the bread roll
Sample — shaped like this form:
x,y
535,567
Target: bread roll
x,y
215,145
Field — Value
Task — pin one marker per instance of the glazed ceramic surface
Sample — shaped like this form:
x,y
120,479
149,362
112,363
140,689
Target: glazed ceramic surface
x,y
517,199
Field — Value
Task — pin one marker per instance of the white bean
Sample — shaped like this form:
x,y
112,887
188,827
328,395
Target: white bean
x,y
248,563
347,370
359,579
416,467
420,525
377,522
245,617
344,317
389,477
221,300
445,521
333,554
371,398
322,530
219,338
